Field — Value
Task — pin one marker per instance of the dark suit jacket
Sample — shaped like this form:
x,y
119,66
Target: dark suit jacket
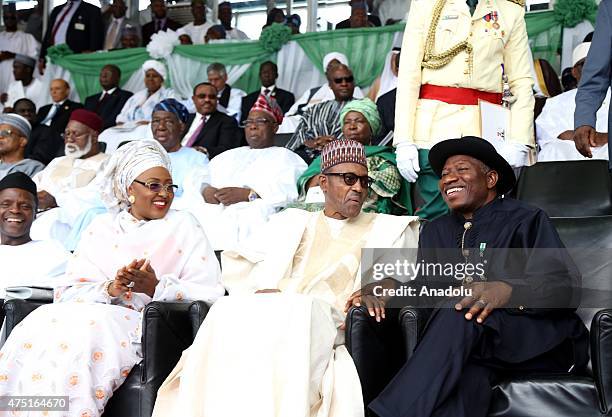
x,y
89,38
284,98
219,133
386,109
149,29
596,74
110,107
46,142
346,24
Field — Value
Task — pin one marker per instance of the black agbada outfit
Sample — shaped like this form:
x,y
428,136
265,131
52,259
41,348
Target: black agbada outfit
x,y
453,367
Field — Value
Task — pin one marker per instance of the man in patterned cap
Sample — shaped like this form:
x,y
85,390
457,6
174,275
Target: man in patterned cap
x,y
455,55
294,277
249,183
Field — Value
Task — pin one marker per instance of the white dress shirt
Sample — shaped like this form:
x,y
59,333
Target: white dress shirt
x,y
60,34
194,126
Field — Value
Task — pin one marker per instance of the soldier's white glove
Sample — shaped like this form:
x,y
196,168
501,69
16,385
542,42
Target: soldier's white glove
x,y
407,156
515,154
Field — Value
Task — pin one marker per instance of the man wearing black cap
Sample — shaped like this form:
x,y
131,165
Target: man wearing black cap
x,y
520,314
18,205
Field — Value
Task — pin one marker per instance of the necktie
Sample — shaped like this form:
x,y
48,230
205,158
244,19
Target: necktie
x,y
267,92
472,5
195,135
51,114
102,98
159,25
61,20
111,35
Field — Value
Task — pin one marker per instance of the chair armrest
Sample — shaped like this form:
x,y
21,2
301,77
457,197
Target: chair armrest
x,y
17,310
601,357
376,348
197,313
412,323
167,332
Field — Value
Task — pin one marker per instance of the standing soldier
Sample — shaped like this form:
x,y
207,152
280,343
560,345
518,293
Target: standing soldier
x,y
456,53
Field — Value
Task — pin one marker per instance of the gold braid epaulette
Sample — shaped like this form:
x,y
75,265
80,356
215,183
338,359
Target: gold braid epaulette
x,y
437,61
519,2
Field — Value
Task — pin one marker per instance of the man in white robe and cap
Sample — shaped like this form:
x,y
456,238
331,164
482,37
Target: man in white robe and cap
x,y
25,262
555,125
248,184
25,85
13,41
293,282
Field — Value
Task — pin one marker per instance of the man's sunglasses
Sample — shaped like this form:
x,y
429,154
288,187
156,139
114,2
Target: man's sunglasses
x,y
157,187
348,79
351,179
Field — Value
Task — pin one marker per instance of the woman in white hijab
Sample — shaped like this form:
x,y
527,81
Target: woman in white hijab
x,y
133,121
139,107
84,344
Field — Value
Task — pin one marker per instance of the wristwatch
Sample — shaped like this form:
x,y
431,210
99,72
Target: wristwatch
x,y
106,287
253,196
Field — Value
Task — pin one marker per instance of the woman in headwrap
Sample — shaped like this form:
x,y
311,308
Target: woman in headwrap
x,y
389,192
84,344
139,107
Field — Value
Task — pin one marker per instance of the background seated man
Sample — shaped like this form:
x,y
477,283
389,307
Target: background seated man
x,y
320,123
294,279
209,130
555,125
110,101
268,73
32,263
520,313
229,99
55,117
25,85
248,184
81,163
14,136
315,95
389,192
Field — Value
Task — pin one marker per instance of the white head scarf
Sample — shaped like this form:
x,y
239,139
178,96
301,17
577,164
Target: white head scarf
x,y
334,55
155,65
127,163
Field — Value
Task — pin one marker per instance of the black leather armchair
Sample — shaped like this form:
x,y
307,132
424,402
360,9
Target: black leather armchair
x,y
535,395
567,188
168,329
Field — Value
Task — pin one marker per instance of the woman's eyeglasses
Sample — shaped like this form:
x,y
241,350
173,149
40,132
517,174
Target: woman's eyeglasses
x,y
351,179
157,187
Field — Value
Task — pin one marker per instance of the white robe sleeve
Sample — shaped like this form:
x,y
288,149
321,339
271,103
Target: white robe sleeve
x,y
553,120
200,278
